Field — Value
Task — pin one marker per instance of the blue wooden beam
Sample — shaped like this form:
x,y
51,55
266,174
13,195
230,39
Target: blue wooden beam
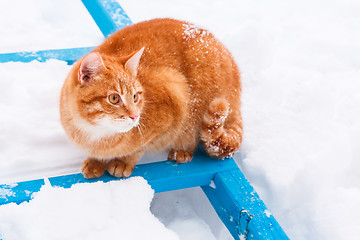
x,y
69,55
240,207
108,15
162,176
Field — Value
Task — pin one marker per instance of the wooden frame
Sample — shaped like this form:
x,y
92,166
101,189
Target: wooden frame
x,y
233,198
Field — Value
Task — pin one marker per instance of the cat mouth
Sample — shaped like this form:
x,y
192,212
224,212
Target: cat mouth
x,y
125,125
107,127
110,126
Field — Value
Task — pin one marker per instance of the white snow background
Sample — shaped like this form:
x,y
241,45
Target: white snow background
x,y
300,65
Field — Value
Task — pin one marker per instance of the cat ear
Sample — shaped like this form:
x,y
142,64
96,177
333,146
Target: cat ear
x,y
91,65
133,62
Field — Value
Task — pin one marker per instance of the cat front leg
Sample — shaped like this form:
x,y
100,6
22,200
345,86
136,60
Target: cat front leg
x,y
93,168
124,166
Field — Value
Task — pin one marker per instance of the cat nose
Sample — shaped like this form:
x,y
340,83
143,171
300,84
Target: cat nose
x,y
134,117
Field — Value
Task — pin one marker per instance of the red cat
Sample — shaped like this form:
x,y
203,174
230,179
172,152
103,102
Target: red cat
x,y
157,85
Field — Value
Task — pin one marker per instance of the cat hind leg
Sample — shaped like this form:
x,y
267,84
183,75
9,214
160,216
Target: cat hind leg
x,y
184,147
221,129
180,156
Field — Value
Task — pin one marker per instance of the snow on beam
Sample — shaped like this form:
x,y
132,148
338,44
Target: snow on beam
x,y
108,15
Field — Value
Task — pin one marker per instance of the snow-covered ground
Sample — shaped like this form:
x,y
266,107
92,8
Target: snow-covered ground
x,y
300,64
93,211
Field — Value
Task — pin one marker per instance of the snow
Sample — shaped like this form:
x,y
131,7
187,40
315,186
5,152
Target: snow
x,y
41,24
33,144
189,229
267,213
86,211
6,192
300,65
191,31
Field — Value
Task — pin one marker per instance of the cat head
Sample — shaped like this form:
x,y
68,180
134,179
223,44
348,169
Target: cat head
x,y
109,96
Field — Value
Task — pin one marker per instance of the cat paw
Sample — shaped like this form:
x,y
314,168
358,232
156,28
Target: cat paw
x,y
180,156
92,168
119,169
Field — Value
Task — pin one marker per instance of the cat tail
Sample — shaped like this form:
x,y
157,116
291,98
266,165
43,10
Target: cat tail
x,y
221,129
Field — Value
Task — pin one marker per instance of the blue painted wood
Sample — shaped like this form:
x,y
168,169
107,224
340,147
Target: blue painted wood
x,y
69,55
108,15
240,208
162,176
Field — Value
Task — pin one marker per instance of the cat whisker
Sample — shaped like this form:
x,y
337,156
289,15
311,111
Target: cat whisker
x,y
119,119
97,120
141,134
139,127
141,124
150,101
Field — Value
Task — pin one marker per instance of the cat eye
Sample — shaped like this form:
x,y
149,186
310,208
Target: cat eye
x,y
114,98
136,97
